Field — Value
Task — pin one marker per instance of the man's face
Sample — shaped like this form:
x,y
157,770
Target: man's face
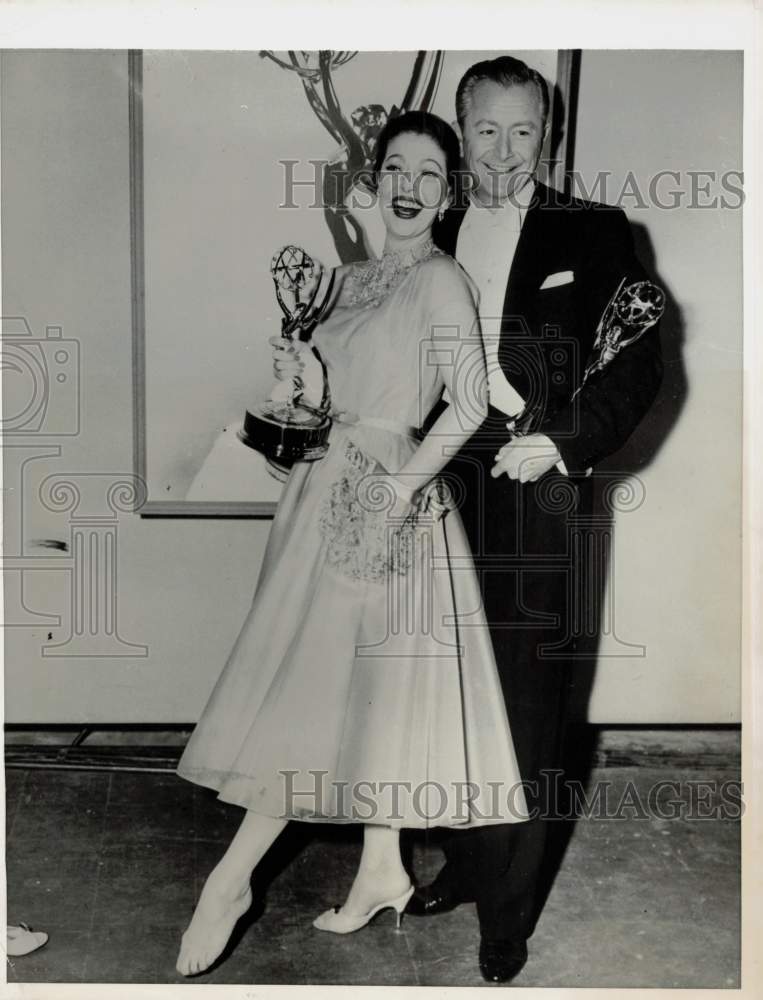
x,y
502,134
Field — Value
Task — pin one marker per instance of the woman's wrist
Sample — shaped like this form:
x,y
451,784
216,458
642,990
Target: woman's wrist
x,y
404,490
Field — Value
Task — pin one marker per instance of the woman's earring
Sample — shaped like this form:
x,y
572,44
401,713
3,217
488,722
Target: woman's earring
x,y
441,213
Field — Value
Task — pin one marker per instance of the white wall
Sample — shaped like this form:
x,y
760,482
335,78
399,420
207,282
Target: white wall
x,y
677,567
184,585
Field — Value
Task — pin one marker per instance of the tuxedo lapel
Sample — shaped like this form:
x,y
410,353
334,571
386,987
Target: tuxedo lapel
x,y
529,258
537,236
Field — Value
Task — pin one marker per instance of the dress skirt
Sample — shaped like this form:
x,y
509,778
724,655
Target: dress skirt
x,y
359,689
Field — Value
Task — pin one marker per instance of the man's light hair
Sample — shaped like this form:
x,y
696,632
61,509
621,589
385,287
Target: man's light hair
x,y
506,71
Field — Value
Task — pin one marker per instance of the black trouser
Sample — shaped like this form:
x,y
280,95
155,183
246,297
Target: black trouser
x,y
520,537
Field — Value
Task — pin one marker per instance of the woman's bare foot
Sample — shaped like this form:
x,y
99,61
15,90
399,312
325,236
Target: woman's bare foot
x,y
216,914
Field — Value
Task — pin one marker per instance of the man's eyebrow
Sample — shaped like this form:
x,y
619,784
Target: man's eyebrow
x,y
489,121
394,156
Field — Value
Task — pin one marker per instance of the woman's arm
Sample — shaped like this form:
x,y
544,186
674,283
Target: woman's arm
x,y
458,352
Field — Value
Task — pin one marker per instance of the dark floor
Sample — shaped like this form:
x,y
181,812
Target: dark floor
x,y
110,864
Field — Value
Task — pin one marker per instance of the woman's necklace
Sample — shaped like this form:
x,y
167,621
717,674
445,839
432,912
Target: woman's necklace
x,y
372,280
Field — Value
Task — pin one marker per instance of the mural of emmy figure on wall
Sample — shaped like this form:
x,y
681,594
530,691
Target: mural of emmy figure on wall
x,y
350,166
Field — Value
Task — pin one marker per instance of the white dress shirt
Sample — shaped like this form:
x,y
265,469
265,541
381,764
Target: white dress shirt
x,y
487,242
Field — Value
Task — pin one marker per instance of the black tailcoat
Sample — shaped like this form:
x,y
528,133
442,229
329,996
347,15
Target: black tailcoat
x,y
521,533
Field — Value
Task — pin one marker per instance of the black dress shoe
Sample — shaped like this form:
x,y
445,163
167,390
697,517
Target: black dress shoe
x,y
428,900
501,961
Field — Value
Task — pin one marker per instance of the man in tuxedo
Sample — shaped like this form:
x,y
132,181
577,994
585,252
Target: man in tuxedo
x,y
546,267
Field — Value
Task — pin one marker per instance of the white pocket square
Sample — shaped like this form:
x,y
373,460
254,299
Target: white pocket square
x,y
559,278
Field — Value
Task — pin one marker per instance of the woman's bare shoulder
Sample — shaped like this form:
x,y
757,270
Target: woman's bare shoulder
x,y
443,267
449,279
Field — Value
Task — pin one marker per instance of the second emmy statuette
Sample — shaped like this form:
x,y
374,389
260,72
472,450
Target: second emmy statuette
x,y
286,428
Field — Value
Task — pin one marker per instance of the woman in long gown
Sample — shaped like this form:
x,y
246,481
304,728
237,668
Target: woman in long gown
x,y
362,686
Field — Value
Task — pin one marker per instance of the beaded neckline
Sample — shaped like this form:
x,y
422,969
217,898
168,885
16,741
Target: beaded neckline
x,y
371,281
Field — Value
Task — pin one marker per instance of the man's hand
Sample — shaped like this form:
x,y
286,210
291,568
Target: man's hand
x,y
526,458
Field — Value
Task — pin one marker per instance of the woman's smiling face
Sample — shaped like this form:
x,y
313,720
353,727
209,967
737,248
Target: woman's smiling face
x,y
413,185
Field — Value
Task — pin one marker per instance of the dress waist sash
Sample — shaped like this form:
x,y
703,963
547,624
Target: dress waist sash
x,y
348,417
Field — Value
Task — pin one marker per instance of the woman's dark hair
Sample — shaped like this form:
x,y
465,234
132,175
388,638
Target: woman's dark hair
x,y
421,123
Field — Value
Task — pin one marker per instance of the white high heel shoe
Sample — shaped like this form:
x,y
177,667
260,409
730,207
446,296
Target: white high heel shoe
x,y
338,922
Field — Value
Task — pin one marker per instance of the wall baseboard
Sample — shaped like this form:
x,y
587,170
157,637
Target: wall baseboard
x,y
154,750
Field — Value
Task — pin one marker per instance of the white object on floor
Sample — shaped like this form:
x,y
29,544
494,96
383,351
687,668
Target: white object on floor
x,y
22,940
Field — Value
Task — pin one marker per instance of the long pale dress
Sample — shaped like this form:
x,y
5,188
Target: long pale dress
x,y
363,688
